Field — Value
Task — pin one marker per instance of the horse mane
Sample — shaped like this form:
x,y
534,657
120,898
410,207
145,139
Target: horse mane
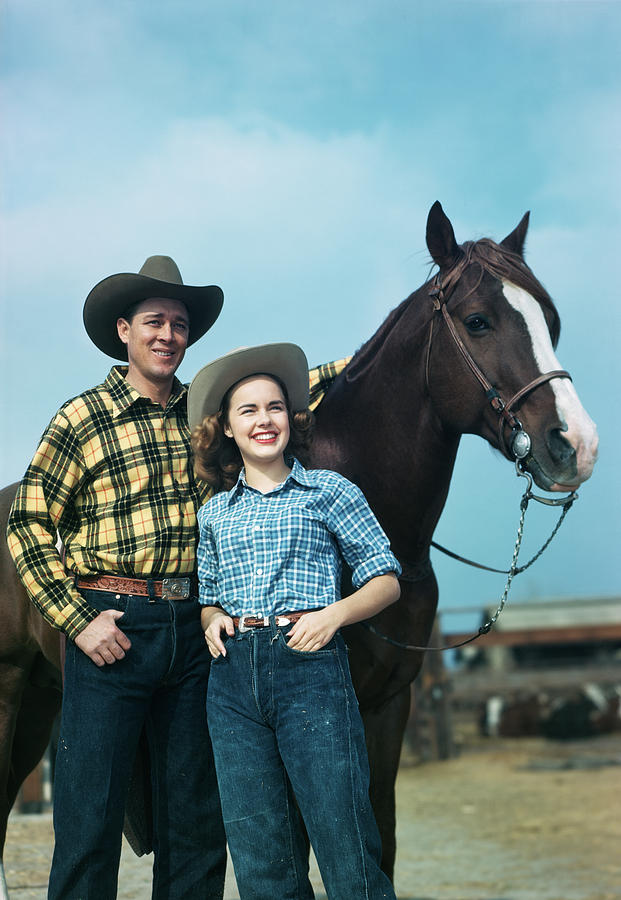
x,y
492,258
366,354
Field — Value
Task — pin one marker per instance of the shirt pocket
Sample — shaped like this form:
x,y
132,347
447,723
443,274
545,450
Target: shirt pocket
x,y
305,534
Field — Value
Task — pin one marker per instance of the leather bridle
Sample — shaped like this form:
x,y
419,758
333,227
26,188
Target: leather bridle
x,y
518,447
519,444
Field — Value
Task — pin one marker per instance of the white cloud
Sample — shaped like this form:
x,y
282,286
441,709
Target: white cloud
x,y
259,196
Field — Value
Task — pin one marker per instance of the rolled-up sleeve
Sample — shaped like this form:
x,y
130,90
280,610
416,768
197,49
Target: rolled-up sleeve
x,y
362,541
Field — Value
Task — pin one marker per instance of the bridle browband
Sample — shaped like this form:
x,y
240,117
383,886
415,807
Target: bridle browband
x,y
520,443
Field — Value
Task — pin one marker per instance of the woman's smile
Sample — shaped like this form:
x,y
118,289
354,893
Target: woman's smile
x,y
265,437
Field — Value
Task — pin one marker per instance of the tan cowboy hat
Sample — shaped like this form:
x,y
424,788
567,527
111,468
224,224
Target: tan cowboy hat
x,y
286,361
159,277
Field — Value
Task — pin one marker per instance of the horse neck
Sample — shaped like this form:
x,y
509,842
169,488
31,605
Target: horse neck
x,y
379,428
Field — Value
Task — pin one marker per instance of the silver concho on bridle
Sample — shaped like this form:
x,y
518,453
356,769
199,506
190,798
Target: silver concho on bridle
x,y
520,443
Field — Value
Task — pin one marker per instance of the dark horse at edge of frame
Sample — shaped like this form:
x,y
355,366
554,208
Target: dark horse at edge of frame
x,y
391,422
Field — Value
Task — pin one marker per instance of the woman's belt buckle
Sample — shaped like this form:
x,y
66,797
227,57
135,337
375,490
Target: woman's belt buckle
x,y
175,588
257,622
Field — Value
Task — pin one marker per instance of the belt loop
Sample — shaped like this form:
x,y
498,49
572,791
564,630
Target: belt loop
x,y
151,590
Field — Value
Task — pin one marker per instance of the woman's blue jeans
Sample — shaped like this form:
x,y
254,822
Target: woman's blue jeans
x,y
278,718
161,685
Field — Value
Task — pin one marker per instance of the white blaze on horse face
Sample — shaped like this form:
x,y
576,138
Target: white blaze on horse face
x,y
579,430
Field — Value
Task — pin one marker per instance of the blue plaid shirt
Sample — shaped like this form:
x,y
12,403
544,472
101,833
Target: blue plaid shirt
x,y
265,554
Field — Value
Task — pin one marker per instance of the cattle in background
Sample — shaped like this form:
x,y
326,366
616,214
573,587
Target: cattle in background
x,y
587,712
518,717
584,712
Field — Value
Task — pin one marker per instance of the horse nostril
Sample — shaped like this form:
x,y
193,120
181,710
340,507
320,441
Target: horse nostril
x,y
560,449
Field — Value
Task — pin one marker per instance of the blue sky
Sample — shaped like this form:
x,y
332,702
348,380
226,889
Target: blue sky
x,y
290,152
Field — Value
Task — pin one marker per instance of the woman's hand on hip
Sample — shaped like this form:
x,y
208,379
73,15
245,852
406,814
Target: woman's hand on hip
x,y
214,622
314,630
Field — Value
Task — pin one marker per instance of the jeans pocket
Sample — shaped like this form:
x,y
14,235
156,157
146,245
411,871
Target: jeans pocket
x,y
104,600
327,650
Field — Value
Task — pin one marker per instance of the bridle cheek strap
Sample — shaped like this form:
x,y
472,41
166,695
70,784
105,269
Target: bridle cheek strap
x,y
504,410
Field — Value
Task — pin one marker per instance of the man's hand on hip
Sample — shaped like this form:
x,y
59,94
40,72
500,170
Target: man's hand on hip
x,y
101,640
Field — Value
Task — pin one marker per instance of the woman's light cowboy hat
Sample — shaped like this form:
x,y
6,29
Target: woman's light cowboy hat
x,y
286,361
159,277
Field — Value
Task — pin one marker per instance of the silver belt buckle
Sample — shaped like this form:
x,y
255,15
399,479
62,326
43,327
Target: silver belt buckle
x,y
175,588
242,627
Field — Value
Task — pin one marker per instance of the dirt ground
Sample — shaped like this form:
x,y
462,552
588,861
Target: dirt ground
x,y
520,819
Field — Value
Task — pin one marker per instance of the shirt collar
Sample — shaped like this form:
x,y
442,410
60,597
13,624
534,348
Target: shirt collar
x,y
298,473
123,395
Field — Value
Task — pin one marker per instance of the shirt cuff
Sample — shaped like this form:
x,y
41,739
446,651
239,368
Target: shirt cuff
x,y
380,564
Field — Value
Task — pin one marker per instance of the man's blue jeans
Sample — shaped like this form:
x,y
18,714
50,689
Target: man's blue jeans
x,y
278,715
161,685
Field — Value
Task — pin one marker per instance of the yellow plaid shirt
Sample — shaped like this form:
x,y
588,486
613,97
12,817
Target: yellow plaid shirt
x,y
113,476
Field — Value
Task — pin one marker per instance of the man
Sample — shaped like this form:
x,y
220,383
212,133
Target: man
x,y
112,475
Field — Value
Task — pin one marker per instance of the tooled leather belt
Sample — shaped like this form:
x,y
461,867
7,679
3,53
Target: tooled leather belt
x,y
166,588
244,623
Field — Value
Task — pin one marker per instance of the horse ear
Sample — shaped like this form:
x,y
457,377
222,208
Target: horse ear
x,y
515,241
441,237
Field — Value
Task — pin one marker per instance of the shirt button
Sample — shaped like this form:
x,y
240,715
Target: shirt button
x,y
259,571
257,528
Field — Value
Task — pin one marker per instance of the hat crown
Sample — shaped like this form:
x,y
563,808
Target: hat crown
x,y
162,268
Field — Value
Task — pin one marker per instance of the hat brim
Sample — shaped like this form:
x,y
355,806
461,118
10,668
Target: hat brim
x,y
286,361
109,299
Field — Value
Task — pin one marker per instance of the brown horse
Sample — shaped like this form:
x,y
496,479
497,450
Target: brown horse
x,y
441,365
30,681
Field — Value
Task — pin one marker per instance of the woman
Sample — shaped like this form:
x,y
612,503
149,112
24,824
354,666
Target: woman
x,y
281,708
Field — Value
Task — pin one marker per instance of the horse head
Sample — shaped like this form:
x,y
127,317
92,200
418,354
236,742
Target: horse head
x,y
494,332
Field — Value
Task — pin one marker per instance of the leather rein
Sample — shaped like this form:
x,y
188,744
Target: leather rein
x,y
517,448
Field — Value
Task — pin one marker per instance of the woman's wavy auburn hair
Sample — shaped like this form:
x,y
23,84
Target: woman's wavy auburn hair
x,y
217,459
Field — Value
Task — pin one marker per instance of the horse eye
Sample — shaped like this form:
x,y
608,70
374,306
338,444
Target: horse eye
x,y
476,324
